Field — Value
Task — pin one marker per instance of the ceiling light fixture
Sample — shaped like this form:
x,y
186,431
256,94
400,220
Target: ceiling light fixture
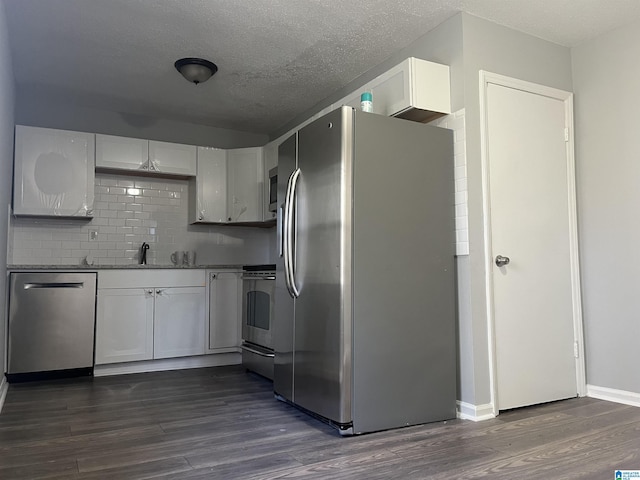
x,y
196,70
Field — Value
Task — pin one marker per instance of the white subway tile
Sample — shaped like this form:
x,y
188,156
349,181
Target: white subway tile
x,y
126,199
133,222
462,248
461,210
460,198
126,182
107,181
125,214
116,222
462,236
462,223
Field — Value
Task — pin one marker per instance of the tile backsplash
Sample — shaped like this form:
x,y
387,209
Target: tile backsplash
x,y
127,212
455,121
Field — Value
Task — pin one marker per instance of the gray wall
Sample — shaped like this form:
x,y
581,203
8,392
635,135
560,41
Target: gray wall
x,y
497,49
606,76
6,167
43,111
442,45
469,44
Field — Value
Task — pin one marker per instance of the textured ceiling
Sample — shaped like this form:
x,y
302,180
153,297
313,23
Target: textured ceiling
x,y
277,58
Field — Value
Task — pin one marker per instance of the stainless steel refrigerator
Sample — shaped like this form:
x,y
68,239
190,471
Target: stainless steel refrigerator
x,y
364,331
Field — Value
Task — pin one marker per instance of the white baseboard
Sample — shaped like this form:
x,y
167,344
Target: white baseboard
x,y
614,395
4,388
182,363
476,413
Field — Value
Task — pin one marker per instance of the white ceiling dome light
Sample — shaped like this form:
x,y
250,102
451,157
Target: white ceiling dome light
x,y
196,70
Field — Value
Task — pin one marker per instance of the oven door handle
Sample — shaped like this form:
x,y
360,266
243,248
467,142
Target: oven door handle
x,y
257,352
248,277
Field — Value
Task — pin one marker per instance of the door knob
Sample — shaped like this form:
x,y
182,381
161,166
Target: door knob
x,y
502,261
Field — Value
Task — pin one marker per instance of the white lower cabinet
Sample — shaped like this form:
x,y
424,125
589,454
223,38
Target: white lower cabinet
x,y
150,314
124,325
224,310
179,322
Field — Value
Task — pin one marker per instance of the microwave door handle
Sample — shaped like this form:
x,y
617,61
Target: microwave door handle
x,y
291,234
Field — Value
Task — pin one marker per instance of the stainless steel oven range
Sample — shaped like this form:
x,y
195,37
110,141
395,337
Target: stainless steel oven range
x,y
258,308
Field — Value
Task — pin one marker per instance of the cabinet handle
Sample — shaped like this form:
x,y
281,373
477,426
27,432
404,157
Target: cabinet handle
x,y
158,292
200,217
145,166
150,292
213,276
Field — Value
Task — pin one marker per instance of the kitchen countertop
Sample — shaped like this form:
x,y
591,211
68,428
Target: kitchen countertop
x,y
15,268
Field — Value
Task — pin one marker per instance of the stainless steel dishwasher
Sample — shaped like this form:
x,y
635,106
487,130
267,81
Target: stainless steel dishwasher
x,y
51,324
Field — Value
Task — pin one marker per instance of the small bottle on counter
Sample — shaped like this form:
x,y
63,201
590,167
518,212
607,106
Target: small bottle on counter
x,y
366,102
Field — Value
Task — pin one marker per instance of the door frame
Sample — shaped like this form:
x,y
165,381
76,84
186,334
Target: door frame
x,y
487,78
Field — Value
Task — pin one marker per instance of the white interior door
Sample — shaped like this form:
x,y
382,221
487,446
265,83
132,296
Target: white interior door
x,y
530,211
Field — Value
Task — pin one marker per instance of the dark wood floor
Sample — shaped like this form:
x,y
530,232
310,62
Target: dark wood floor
x,y
222,423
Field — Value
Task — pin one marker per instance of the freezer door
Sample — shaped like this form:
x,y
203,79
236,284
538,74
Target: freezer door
x,y
283,321
322,331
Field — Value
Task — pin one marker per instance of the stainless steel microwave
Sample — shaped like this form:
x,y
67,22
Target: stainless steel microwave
x,y
273,189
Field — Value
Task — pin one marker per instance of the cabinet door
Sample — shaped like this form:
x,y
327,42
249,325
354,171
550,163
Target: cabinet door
x,y
173,158
210,203
122,153
224,311
179,322
54,172
244,196
124,325
270,153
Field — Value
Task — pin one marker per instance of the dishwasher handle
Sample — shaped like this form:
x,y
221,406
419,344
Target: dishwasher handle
x,y
30,285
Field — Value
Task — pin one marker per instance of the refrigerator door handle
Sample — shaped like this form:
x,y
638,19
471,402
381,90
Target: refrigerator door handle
x,y
289,250
285,235
281,230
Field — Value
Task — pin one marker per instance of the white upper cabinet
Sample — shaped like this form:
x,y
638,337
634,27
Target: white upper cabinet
x,y
414,89
208,192
121,153
174,158
145,156
270,162
54,172
244,185
228,186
